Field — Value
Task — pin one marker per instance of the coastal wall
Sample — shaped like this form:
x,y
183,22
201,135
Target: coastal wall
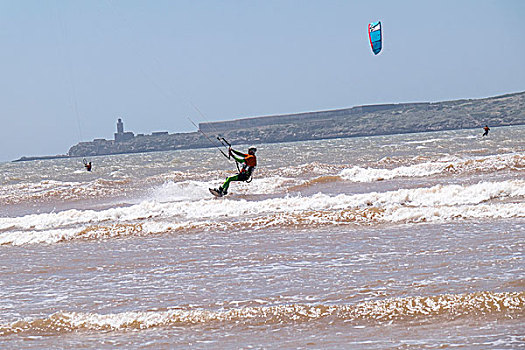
x,y
246,123
350,122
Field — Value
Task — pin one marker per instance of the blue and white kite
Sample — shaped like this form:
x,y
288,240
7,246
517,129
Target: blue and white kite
x,y
374,33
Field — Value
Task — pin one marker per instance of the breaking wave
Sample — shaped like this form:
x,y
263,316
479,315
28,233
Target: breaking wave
x,y
51,191
514,161
181,185
419,310
440,203
195,190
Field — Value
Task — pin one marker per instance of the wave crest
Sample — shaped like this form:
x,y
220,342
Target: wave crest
x,y
408,309
513,162
440,203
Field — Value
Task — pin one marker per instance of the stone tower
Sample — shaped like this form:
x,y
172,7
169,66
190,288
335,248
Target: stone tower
x,y
120,135
120,126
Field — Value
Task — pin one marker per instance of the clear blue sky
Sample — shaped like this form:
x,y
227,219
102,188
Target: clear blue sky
x,y
70,68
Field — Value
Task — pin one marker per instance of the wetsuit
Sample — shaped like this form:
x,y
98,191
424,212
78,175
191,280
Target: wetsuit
x,y
249,162
88,166
486,128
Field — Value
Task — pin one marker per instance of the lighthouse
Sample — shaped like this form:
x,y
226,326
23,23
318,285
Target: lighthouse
x,y
120,135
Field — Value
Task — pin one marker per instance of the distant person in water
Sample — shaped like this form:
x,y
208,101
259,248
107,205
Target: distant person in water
x,y
248,161
88,166
486,128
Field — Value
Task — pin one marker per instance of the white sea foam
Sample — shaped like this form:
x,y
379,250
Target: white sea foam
x,y
260,185
195,190
52,190
513,161
180,186
437,308
436,203
423,141
358,174
179,191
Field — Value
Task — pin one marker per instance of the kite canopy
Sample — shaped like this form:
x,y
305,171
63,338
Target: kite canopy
x,y
376,38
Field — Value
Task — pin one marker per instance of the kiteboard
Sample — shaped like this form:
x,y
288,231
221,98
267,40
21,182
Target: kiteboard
x,y
215,192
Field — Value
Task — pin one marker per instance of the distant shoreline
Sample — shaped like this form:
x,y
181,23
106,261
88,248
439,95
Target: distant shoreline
x,y
359,121
26,159
65,156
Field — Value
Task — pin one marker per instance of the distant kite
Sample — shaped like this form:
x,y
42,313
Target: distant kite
x,y
374,33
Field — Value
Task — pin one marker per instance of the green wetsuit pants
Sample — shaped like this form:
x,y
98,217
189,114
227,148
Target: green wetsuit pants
x,y
238,177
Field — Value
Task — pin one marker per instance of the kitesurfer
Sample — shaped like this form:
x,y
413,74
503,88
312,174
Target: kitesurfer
x,y
486,128
88,166
248,161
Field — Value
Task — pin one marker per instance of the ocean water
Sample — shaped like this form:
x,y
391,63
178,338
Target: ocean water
x,y
391,242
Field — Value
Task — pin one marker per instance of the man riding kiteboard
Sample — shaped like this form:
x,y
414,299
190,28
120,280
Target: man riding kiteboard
x,y
248,161
86,164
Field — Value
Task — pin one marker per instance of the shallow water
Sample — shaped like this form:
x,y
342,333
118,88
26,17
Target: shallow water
x,y
397,242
